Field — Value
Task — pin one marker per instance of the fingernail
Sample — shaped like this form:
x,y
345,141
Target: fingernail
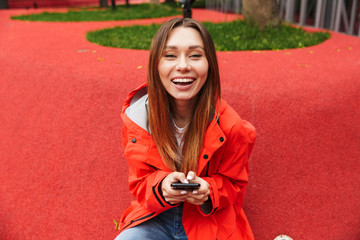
x,y
189,178
183,192
186,181
195,192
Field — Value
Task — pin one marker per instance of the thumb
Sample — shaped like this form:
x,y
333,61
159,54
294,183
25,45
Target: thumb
x,y
177,177
191,175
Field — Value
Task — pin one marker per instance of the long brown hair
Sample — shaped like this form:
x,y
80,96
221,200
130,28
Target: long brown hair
x,y
159,101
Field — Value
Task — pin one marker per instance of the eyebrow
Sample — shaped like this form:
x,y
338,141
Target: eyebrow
x,y
191,47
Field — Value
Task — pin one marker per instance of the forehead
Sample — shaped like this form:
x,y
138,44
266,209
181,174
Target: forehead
x,y
184,36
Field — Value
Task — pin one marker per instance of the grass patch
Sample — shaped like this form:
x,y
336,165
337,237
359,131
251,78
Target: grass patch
x,y
229,36
239,35
134,37
135,11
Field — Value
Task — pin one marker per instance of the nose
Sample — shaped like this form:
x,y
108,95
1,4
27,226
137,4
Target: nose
x,y
183,64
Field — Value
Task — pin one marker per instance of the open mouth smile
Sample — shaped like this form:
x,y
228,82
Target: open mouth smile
x,y
183,81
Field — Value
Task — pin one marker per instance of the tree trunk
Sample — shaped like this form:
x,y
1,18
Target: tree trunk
x,y
4,4
113,5
263,13
187,13
103,3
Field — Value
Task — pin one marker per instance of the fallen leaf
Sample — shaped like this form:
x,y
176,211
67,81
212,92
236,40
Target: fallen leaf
x,y
349,48
311,52
338,50
101,59
82,50
288,53
139,67
303,65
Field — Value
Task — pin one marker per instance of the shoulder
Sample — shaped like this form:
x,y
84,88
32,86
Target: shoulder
x,y
232,124
135,95
135,108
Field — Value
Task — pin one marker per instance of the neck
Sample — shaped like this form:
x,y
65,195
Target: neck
x,y
182,112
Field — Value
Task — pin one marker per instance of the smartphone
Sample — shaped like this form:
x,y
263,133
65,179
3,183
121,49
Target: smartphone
x,y
184,186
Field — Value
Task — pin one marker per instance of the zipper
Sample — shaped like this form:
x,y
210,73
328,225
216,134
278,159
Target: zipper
x,y
139,219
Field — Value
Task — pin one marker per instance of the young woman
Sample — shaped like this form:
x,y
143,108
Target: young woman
x,y
177,129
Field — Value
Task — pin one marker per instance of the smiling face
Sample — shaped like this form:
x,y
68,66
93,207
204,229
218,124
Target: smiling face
x,y
183,66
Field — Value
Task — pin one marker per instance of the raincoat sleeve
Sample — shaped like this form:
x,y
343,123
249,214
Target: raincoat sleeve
x,y
144,179
229,180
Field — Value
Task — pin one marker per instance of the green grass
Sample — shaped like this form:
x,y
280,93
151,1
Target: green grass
x,y
135,11
134,37
230,36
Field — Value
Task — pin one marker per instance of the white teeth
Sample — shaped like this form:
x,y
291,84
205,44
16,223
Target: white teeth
x,y
182,80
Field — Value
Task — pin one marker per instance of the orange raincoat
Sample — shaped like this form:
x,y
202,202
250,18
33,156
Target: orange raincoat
x,y
223,163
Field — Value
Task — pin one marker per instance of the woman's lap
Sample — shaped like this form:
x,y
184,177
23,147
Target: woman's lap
x,y
167,225
150,230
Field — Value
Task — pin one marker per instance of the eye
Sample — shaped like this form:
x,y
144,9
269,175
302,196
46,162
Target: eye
x,y
197,55
169,55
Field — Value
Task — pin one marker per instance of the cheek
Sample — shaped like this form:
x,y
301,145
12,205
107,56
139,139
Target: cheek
x,y
164,68
203,69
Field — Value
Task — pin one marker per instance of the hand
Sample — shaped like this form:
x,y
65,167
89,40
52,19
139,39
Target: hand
x,y
197,196
173,196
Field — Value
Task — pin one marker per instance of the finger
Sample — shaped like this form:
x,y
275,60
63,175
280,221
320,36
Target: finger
x,y
177,176
195,201
198,197
178,199
191,176
176,193
182,192
173,202
196,193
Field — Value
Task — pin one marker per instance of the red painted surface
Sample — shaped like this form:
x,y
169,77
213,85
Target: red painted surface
x,y
62,173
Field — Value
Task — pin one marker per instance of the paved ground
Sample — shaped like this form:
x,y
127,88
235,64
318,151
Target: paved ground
x,y
62,173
